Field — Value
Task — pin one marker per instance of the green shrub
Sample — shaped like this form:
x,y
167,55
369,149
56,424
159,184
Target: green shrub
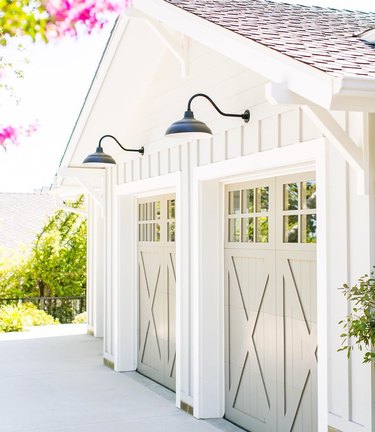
x,y
16,318
359,325
36,317
80,318
11,319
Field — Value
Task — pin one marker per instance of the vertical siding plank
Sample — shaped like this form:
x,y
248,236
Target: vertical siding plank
x,y
289,128
153,165
163,162
309,130
204,151
145,160
218,147
269,133
234,143
251,138
174,158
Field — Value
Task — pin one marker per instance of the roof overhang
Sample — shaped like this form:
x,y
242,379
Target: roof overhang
x,y
328,91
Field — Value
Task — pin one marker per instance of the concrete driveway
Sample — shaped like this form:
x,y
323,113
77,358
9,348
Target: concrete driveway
x,y
52,379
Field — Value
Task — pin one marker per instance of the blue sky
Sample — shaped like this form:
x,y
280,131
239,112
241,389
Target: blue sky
x,y
53,90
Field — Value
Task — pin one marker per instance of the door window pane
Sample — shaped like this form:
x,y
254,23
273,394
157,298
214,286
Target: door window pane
x,y
262,229
171,209
308,227
291,196
234,202
234,230
171,231
309,194
262,199
291,229
157,210
248,230
248,201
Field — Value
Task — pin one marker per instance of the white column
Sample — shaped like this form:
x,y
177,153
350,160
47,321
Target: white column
x,y
208,295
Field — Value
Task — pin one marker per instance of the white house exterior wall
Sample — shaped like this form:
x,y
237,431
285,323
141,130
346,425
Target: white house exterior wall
x,y
95,268
268,145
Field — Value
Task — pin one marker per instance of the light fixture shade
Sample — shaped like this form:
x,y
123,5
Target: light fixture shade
x,y
188,127
99,158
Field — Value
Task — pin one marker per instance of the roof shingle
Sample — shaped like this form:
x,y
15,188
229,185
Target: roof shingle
x,y
326,39
22,216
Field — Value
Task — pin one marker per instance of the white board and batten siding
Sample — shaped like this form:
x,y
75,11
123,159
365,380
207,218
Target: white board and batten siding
x,y
271,128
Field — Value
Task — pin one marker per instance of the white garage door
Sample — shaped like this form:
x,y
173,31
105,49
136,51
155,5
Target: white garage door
x,y
157,289
270,305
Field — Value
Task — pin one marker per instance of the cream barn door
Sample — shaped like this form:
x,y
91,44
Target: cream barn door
x,y
157,289
270,305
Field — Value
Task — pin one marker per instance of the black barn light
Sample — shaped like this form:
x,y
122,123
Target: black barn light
x,y
99,157
189,127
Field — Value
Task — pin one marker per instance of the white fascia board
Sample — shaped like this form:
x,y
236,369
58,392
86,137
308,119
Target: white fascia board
x,y
100,75
354,93
302,79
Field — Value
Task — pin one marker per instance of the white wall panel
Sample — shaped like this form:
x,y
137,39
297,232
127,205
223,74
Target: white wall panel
x,y
349,391
218,146
163,162
359,255
251,137
234,143
337,263
289,129
269,129
355,127
308,129
175,158
204,151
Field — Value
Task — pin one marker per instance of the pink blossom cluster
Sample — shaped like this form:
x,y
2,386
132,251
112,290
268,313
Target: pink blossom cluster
x,y
11,135
66,14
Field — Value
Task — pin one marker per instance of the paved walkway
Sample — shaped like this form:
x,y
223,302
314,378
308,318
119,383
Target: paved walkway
x,y
59,384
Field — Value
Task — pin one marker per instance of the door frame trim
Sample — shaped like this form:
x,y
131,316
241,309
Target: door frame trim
x,y
208,264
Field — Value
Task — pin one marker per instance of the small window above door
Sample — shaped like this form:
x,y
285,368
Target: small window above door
x,y
248,215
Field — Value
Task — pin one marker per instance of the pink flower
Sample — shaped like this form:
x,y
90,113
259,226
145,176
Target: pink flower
x,y
11,135
67,14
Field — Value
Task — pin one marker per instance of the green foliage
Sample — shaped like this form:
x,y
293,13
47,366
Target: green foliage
x,y
80,318
23,17
32,316
11,319
59,255
16,318
53,265
360,324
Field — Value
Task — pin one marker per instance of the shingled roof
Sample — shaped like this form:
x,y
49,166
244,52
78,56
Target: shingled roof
x,y
22,215
326,39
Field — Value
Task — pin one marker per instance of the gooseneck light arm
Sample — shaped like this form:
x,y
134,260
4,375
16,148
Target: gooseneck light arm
x,y
245,116
140,150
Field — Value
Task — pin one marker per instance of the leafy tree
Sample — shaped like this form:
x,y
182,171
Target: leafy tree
x,y
59,255
54,265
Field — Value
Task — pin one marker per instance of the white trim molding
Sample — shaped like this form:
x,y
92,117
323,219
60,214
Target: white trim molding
x,y
208,280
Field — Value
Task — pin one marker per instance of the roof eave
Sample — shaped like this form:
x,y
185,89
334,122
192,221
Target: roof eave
x,y
311,83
